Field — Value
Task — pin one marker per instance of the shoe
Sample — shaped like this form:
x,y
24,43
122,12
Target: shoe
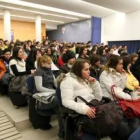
x,y
47,127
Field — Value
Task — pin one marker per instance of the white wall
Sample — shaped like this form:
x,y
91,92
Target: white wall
x,y
121,27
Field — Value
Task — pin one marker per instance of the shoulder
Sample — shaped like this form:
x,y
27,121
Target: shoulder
x,y
13,61
67,80
64,69
39,72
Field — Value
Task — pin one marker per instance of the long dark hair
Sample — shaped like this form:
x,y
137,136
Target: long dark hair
x,y
126,62
78,66
81,50
32,54
15,53
94,59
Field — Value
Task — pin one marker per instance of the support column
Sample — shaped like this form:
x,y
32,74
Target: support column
x,y
38,28
7,25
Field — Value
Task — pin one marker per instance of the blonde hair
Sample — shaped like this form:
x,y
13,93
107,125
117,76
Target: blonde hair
x,y
43,59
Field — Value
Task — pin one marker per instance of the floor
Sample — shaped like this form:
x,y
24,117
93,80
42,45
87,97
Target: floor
x,y
23,125
21,119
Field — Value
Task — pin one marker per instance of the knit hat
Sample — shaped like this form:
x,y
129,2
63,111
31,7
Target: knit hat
x,y
67,56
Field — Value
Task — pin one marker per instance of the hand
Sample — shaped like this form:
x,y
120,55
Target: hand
x,y
91,113
123,71
91,79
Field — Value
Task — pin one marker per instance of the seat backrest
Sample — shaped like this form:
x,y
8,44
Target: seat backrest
x,y
30,83
58,94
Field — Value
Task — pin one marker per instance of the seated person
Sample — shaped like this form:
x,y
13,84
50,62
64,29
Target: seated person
x,y
132,84
68,59
114,74
17,64
95,69
45,82
79,83
4,67
83,53
31,59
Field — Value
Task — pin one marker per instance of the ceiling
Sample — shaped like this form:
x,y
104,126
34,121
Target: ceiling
x,y
56,12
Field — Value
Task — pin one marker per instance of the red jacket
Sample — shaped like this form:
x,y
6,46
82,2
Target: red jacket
x,y
60,61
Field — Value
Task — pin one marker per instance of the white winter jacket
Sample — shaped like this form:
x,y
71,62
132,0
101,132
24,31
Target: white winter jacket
x,y
114,78
71,88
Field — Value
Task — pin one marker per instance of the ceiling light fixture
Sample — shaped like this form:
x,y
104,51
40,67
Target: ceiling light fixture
x,y
36,12
47,8
34,18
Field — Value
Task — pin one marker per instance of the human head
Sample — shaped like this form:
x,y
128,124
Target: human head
x,y
6,43
29,42
45,43
1,41
114,62
42,50
110,51
18,53
81,68
134,58
102,52
7,54
49,51
52,46
44,61
126,63
63,50
94,49
69,57
95,60
83,51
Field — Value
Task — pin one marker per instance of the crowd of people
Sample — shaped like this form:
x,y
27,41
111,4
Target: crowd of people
x,y
80,70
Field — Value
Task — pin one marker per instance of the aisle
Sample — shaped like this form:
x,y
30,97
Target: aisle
x,y
8,130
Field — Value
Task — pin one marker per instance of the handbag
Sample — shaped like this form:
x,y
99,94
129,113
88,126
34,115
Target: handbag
x,y
107,119
44,97
130,108
16,83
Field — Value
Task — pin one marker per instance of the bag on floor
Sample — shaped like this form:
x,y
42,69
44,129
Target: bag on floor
x,y
107,119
